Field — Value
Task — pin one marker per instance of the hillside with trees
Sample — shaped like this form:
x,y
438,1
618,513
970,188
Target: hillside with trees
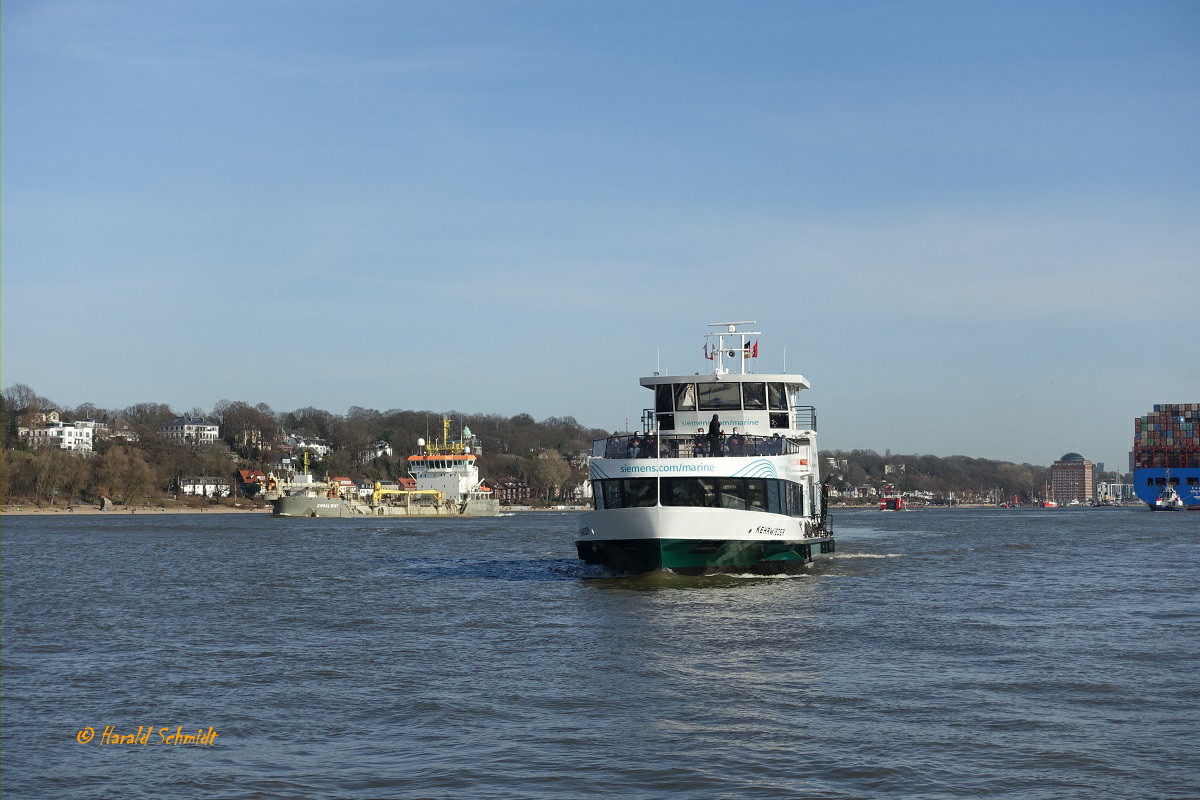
x,y
547,455
937,477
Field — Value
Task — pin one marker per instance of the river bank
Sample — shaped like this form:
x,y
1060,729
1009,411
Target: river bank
x,y
84,509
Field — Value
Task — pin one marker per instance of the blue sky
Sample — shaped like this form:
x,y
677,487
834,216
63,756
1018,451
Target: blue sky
x,y
975,227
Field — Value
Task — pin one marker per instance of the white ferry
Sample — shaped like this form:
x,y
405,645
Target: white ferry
x,y
725,479
444,482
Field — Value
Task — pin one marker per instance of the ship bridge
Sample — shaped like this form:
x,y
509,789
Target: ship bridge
x,y
754,404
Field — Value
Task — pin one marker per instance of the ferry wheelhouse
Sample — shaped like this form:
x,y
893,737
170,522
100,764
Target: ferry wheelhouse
x,y
723,478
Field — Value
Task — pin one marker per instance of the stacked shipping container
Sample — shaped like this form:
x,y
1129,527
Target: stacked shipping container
x,y
1169,437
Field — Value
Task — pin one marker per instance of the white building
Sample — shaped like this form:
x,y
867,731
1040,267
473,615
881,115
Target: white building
x,y
204,487
64,435
375,451
300,441
193,430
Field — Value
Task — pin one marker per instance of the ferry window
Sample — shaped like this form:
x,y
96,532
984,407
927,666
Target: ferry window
x,y
776,398
779,419
754,396
612,494
662,397
681,492
685,397
598,494
666,422
733,493
774,501
720,397
695,492
756,494
796,495
640,492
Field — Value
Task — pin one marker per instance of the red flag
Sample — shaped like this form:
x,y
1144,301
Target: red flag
x,y
754,354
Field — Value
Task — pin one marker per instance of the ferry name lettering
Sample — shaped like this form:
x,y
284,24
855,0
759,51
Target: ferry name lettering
x,y
763,530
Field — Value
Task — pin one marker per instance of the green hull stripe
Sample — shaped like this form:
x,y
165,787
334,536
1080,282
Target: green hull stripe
x,y
693,555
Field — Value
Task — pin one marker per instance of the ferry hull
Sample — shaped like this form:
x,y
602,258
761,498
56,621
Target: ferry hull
x,y
1146,484
696,541
702,556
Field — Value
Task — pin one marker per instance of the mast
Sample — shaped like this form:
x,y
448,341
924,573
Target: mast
x,y
718,350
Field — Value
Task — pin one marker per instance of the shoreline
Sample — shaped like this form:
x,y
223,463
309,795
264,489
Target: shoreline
x,y
23,510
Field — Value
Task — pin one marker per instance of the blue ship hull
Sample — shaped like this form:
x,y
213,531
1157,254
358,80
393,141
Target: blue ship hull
x,y
1149,483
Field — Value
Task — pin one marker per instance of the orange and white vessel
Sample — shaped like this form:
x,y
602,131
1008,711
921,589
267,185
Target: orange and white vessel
x,y
444,482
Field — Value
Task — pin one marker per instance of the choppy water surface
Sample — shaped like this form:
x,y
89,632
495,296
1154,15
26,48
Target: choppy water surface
x,y
940,654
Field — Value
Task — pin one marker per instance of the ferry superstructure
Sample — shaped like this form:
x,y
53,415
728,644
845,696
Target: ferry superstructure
x,y
724,478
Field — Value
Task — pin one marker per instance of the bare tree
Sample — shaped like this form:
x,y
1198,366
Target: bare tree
x,y
124,473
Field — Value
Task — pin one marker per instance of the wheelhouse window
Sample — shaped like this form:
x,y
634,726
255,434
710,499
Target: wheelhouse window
x,y
685,397
776,397
662,397
754,396
720,397
793,394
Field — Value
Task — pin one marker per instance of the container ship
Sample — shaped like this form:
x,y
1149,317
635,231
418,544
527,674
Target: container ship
x,y
1166,456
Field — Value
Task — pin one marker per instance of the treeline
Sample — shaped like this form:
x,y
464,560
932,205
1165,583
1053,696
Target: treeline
x,y
545,455
967,478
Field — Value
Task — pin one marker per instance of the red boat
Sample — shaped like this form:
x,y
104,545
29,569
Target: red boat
x,y
891,500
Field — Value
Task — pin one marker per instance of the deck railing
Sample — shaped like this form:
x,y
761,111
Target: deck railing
x,y
693,446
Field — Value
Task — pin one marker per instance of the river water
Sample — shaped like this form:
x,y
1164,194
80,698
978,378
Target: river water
x,y
939,654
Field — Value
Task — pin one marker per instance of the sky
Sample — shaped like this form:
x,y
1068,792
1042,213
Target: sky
x,y
973,227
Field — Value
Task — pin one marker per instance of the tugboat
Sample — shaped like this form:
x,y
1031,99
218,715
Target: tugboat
x,y
1168,500
724,477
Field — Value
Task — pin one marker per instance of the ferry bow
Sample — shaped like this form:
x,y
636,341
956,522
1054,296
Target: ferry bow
x,y
724,476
